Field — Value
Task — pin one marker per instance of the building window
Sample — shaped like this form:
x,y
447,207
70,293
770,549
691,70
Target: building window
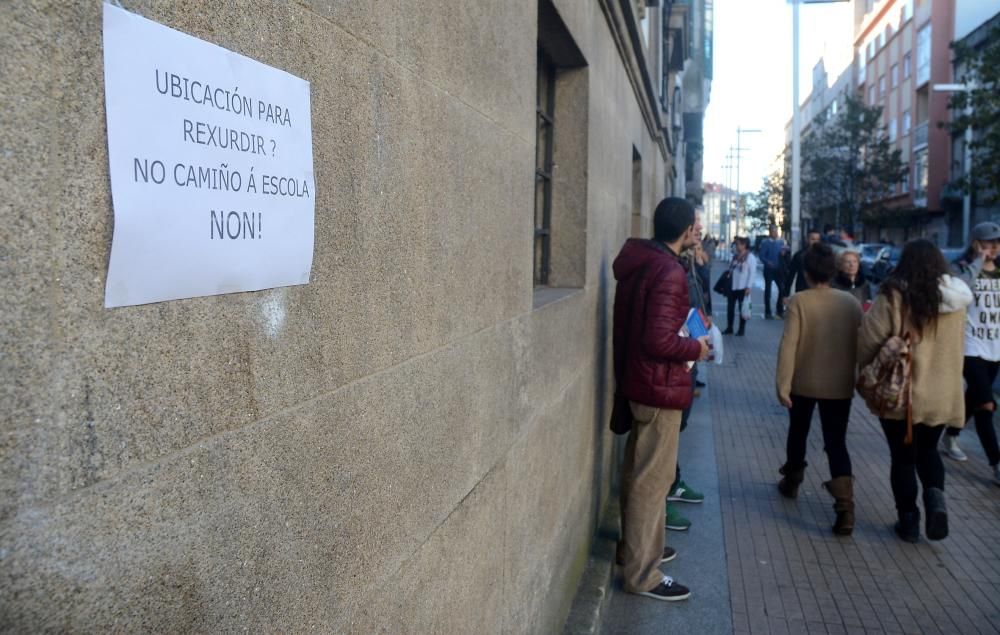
x,y
920,174
560,219
904,185
894,76
544,137
892,130
871,95
907,11
833,108
881,86
871,49
906,122
906,66
924,54
862,65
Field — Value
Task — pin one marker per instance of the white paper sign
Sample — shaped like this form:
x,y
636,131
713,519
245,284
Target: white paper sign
x,y
211,167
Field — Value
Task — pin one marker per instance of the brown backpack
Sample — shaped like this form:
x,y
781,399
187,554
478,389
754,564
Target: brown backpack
x,y
886,383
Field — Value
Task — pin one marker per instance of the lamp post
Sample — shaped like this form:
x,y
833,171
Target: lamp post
x,y
797,124
967,158
739,195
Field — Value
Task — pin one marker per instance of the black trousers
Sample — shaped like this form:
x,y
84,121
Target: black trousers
x,y
920,458
735,298
774,276
979,376
833,417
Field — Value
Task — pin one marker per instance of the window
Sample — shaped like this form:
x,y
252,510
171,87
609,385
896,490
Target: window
x,y
906,66
924,54
920,174
881,86
871,95
894,76
861,68
636,194
833,108
560,221
907,11
906,122
544,136
871,49
904,185
892,130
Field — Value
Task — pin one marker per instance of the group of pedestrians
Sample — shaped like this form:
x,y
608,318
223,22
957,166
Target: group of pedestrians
x,y
927,351
932,324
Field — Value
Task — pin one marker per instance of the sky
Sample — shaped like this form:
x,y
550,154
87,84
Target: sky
x,y
752,83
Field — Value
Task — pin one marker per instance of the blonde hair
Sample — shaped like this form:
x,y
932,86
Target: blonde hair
x,y
844,254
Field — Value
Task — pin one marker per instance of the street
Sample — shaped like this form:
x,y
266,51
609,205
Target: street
x,y
780,567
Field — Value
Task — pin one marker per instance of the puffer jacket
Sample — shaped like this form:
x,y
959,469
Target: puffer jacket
x,y
651,305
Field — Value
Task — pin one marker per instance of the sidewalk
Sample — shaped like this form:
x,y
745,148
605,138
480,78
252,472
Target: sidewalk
x,y
757,563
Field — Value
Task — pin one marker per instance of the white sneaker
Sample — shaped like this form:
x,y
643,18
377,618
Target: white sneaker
x,y
952,450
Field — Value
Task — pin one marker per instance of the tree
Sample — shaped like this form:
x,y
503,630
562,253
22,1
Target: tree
x,y
772,203
849,166
982,70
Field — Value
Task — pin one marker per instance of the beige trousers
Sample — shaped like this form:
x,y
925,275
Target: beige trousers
x,y
647,472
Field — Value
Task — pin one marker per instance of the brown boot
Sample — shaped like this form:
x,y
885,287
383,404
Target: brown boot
x,y
793,477
842,489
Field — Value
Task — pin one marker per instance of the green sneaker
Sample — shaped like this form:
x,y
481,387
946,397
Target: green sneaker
x,y
676,522
682,493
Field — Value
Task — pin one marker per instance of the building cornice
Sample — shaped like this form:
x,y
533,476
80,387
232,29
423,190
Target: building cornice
x,y
625,33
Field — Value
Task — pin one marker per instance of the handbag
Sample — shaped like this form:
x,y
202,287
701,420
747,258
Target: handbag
x,y
886,383
724,285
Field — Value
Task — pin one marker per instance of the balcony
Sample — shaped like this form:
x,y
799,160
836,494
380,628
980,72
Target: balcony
x,y
920,136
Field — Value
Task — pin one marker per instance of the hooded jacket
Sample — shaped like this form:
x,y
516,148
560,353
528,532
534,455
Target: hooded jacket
x,y
651,305
937,355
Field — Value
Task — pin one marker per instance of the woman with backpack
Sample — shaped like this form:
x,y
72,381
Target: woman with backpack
x,y
925,306
741,271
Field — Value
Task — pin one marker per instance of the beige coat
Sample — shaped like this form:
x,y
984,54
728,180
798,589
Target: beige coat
x,y
816,356
938,397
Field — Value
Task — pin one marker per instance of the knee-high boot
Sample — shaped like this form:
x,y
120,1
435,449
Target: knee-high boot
x,y
842,489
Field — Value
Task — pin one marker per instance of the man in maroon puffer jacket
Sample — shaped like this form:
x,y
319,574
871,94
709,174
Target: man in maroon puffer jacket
x,y
650,358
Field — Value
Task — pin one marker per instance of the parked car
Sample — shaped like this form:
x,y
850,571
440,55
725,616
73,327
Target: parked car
x,y
888,259
870,254
886,262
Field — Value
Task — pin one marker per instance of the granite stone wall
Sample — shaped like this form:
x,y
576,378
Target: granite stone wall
x,y
413,442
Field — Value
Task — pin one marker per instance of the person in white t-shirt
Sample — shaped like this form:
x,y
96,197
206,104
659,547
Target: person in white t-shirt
x,y
978,268
742,269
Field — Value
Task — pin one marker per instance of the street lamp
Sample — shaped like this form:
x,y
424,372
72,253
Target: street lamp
x,y
797,124
967,195
739,196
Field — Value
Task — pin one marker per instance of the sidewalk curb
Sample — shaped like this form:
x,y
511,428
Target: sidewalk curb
x,y
593,595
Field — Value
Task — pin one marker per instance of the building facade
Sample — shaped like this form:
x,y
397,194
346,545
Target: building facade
x,y
414,441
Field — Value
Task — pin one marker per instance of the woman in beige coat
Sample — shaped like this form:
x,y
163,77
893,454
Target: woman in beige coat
x,y
816,369
920,297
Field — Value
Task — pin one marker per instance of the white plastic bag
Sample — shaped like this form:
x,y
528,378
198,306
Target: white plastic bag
x,y
746,309
715,338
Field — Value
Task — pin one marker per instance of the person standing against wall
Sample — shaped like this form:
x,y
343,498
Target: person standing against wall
x,y
651,370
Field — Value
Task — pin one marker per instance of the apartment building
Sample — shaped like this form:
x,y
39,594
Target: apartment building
x,y
901,52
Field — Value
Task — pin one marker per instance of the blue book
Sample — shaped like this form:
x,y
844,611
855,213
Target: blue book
x,y
696,325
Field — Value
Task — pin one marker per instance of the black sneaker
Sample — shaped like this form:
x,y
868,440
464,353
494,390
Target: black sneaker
x,y
669,553
667,590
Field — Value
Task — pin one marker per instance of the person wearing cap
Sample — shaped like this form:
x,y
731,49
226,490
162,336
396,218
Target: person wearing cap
x,y
978,268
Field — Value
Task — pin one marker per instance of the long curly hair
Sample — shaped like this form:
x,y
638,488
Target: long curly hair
x,y
917,280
